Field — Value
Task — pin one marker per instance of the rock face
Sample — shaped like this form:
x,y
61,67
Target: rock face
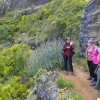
x,y
27,3
9,5
90,24
45,88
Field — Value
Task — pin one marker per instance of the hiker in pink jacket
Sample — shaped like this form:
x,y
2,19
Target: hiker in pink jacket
x,y
97,71
95,62
89,57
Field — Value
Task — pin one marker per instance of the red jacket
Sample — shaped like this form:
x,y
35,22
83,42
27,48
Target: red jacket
x,y
67,51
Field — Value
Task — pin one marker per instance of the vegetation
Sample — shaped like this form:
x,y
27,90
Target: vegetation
x,y
57,18
62,83
17,76
76,96
48,56
13,60
20,67
78,59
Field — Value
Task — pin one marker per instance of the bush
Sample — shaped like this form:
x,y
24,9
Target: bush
x,y
76,96
13,60
17,87
62,83
47,56
57,18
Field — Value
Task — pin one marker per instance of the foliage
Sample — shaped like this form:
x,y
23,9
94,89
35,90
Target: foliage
x,y
16,88
76,96
62,83
71,94
13,60
78,59
82,62
47,56
57,18
62,94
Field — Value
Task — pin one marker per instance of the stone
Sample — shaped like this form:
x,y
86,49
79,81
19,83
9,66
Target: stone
x,y
90,23
31,43
45,88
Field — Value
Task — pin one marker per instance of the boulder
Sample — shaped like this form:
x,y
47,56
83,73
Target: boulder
x,y
45,88
31,43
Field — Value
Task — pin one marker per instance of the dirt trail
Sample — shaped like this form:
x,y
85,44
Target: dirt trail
x,y
82,85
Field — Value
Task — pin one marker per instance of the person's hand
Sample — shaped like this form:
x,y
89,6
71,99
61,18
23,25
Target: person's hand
x,y
68,47
71,43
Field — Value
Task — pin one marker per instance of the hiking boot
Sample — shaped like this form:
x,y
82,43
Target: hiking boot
x,y
73,73
89,78
93,84
66,72
95,87
92,80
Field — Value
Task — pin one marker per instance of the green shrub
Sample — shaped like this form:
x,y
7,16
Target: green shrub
x,y
57,18
76,96
13,60
47,56
62,83
3,33
77,59
18,87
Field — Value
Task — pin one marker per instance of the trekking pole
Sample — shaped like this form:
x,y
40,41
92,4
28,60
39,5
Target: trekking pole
x,y
68,62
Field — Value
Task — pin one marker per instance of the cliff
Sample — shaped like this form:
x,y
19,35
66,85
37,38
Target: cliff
x,y
90,23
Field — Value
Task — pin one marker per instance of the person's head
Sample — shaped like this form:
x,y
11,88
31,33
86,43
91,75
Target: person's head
x,y
96,43
68,40
90,43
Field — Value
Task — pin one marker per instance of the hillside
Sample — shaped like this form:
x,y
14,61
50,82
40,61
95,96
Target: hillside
x,y
10,5
57,18
20,67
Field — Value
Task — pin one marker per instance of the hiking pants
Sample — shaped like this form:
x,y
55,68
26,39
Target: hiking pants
x,y
69,59
98,78
90,65
94,75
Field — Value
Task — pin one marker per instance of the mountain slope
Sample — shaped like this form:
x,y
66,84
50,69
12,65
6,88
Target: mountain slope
x,y
57,18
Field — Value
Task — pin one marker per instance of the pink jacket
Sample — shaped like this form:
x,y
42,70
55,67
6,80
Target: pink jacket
x,y
89,52
95,56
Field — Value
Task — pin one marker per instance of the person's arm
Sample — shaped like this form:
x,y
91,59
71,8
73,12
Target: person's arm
x,y
64,48
99,55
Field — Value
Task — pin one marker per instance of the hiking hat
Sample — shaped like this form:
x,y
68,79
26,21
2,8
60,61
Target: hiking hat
x,y
90,42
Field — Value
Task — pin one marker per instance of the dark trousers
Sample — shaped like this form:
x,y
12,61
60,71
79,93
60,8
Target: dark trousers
x,y
90,65
69,59
94,75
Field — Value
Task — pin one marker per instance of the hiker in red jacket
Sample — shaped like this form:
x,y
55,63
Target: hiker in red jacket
x,y
67,49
